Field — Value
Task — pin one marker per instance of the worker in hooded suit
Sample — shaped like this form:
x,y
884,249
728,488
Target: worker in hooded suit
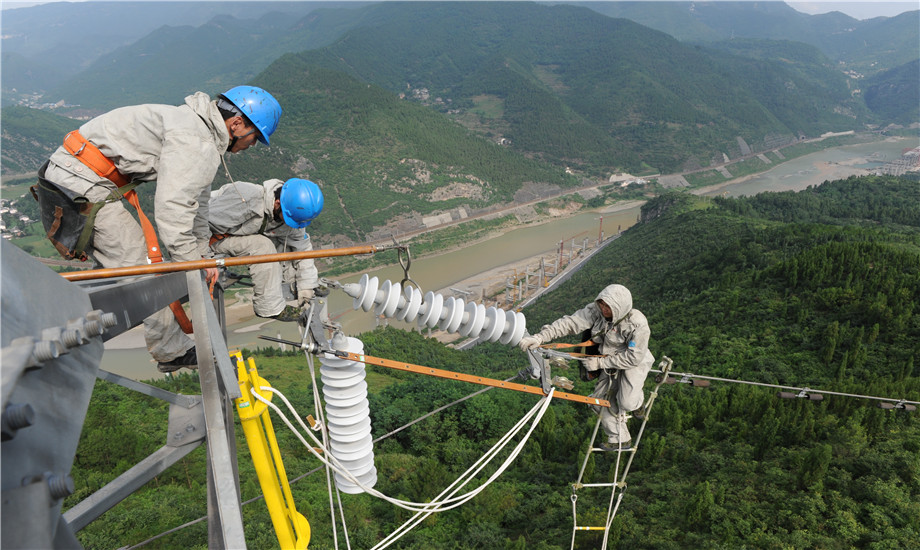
x,y
622,334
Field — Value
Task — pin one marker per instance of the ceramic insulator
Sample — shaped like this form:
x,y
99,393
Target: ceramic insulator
x,y
433,311
348,415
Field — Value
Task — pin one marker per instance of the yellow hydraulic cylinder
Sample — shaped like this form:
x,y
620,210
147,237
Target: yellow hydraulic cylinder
x,y
292,528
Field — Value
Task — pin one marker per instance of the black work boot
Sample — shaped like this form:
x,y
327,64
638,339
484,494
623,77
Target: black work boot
x,y
189,360
288,315
613,446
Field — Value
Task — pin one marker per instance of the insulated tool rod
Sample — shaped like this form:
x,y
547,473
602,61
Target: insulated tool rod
x,y
169,267
450,375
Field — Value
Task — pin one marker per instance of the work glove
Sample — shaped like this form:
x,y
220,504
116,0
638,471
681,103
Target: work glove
x,y
304,296
530,342
592,363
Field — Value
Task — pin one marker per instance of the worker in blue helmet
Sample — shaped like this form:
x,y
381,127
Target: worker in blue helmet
x,y
247,219
175,149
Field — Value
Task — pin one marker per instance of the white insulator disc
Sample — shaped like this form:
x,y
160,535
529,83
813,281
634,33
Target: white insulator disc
x,y
520,327
362,291
369,480
495,324
341,400
370,293
357,445
511,326
346,371
347,392
475,316
352,451
350,413
413,301
456,316
360,466
343,432
453,314
346,382
435,304
344,438
391,294
348,416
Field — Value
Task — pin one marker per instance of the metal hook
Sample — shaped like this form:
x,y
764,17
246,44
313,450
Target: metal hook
x,y
405,261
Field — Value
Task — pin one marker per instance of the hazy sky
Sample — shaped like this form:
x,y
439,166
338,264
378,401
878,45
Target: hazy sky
x,y
858,9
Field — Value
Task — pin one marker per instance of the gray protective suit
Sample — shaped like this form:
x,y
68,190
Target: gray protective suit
x,y
179,149
245,213
623,341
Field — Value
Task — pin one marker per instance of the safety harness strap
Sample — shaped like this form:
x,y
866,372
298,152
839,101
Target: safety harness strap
x,y
92,157
95,160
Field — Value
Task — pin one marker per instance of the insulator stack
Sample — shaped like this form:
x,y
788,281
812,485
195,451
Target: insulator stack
x,y
433,311
348,414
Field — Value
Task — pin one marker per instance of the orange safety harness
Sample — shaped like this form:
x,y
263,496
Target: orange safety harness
x,y
92,157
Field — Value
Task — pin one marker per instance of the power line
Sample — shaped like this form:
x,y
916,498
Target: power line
x,y
686,377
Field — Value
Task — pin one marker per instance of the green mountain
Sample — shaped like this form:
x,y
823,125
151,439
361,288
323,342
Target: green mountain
x,y
864,46
227,50
895,94
58,40
626,98
380,158
29,136
817,289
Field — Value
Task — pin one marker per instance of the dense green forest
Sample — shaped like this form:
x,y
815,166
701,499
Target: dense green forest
x,y
817,288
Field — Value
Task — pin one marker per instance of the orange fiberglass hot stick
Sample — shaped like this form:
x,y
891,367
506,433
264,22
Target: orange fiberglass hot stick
x,y
171,267
439,373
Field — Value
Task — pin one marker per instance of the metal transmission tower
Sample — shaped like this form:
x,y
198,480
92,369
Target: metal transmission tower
x,y
52,337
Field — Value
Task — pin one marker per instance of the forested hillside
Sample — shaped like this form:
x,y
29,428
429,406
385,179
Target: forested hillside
x,y
599,94
560,83
818,288
29,136
377,157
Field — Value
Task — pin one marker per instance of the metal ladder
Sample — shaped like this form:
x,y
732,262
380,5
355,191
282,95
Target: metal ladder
x,y
618,485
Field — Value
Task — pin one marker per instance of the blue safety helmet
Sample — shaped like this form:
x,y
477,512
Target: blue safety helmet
x,y
301,201
262,110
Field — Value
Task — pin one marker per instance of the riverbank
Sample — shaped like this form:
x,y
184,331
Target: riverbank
x,y
492,281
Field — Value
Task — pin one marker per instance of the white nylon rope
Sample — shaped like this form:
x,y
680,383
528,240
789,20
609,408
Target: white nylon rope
x,y
434,506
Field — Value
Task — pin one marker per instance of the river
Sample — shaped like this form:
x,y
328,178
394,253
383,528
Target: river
x,y
441,272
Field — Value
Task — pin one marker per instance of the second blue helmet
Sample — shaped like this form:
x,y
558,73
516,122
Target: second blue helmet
x,y
301,201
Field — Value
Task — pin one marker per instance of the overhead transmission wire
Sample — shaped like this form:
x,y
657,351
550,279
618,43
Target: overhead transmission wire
x,y
687,375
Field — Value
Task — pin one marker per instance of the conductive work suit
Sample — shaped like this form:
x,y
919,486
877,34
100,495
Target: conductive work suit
x,y
179,149
626,361
244,222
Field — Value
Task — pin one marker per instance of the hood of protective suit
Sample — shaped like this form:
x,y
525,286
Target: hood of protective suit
x,y
203,106
618,298
268,197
